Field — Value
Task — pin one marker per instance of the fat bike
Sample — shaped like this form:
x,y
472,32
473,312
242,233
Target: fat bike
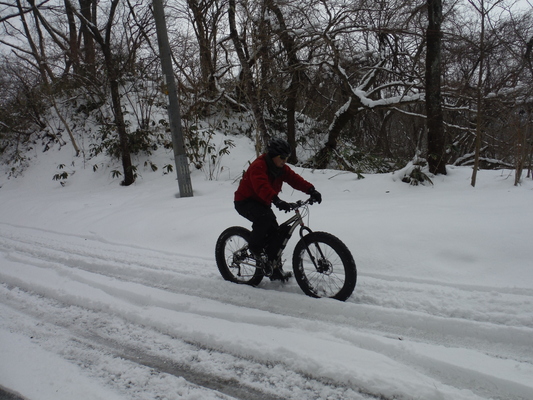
x,y
322,264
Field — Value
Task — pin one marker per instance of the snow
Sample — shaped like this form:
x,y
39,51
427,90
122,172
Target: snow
x,y
111,292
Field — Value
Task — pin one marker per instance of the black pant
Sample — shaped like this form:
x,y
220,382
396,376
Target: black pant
x,y
264,226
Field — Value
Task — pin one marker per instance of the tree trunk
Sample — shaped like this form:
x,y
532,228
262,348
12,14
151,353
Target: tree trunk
x,y
436,154
479,118
129,177
112,72
250,89
521,148
73,55
202,35
342,117
88,38
293,66
291,121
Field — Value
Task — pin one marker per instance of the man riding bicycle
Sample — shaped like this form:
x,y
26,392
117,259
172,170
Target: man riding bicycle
x,y
258,190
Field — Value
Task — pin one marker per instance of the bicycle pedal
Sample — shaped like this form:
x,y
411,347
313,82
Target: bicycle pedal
x,y
267,270
279,275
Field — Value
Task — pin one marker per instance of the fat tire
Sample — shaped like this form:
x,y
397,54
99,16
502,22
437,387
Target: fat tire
x,y
230,241
338,282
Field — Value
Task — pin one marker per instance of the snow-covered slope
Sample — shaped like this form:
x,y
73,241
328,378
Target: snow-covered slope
x,y
111,292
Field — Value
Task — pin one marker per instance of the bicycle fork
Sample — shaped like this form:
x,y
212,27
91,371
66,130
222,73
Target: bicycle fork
x,y
321,265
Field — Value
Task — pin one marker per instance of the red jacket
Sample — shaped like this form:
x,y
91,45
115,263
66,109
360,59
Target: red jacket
x,y
259,185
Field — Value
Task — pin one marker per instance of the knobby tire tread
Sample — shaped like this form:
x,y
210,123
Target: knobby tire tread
x,y
344,254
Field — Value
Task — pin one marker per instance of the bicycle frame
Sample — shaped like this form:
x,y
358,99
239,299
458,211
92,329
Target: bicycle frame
x,y
293,223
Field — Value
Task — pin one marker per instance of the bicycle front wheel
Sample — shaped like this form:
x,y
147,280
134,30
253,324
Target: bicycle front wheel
x,y
234,260
324,267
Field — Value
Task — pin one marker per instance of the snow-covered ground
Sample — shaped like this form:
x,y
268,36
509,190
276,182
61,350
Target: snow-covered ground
x,y
111,292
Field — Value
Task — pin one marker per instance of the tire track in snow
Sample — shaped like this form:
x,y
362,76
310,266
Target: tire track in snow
x,y
399,307
70,256
82,332
492,305
501,306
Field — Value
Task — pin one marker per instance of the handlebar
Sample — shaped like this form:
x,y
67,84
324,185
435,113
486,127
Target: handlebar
x,y
301,203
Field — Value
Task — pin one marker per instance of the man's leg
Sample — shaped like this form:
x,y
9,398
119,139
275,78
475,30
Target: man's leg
x,y
263,222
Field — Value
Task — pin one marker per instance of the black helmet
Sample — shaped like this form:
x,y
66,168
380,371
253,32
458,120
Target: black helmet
x,y
278,147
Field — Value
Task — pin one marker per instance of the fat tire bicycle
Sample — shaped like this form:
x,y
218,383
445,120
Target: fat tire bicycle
x,y
322,264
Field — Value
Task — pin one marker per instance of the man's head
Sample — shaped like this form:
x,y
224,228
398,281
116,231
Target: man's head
x,y
279,147
278,150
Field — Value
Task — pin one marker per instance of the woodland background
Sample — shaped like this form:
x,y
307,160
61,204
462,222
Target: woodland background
x,y
364,86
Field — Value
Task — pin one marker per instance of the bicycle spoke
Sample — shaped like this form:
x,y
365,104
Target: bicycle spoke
x,y
233,258
321,265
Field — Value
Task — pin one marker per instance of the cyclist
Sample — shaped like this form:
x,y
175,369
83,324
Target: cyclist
x,y
258,190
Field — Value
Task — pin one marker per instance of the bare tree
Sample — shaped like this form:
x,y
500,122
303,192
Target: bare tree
x,y
113,67
248,79
435,125
206,16
480,7
344,79
371,74
88,20
34,36
295,70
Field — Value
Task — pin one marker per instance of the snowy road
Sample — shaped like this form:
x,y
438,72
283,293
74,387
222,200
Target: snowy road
x,y
144,323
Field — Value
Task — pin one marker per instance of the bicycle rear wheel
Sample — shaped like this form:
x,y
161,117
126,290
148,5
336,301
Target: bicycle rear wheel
x,y
324,267
234,260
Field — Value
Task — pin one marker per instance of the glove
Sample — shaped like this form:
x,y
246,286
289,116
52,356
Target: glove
x,y
283,205
316,197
